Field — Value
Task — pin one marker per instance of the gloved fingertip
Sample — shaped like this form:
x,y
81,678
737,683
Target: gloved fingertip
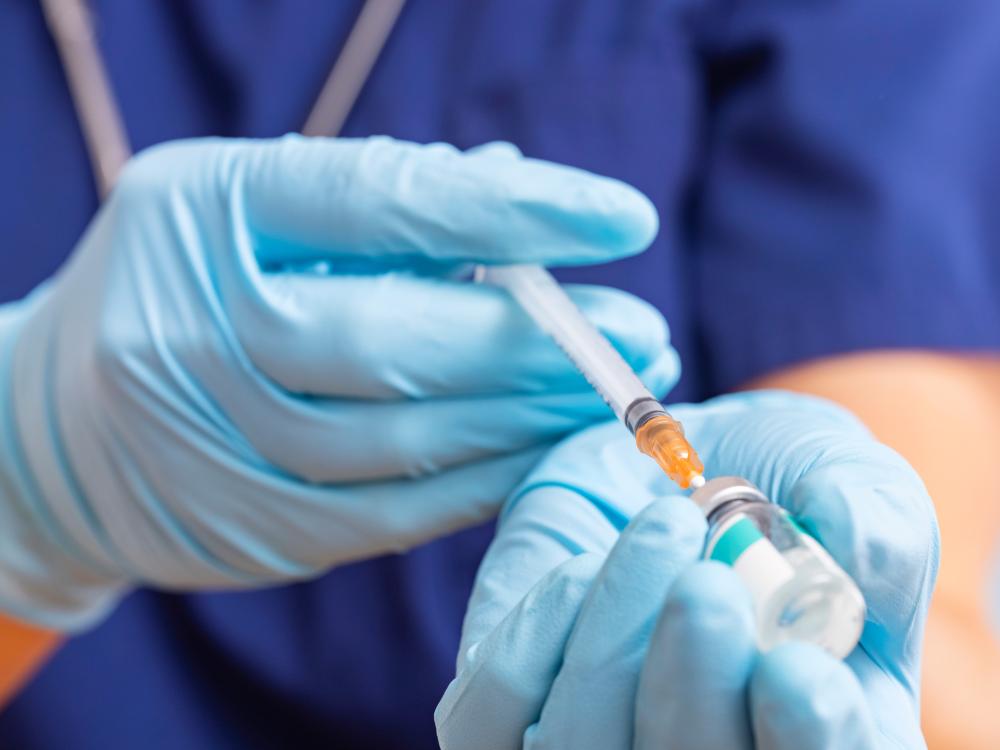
x,y
629,321
496,150
634,221
636,329
673,521
663,374
607,218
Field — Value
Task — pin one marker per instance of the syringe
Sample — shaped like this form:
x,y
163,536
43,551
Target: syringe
x,y
657,434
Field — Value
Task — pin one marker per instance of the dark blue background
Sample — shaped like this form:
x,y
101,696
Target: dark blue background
x,y
827,175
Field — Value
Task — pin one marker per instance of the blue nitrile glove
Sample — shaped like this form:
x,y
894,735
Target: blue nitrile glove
x,y
192,403
594,625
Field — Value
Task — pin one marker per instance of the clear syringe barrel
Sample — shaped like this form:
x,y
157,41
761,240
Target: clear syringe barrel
x,y
537,291
657,434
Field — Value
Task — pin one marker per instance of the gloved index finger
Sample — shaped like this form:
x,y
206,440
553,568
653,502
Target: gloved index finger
x,y
381,198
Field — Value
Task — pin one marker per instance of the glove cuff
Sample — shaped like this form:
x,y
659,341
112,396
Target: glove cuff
x,y
44,578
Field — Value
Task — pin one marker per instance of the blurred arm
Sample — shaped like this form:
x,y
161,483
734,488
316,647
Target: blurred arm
x,y
942,413
23,650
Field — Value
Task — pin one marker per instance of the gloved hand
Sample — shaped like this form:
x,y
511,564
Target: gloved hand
x,y
192,403
593,624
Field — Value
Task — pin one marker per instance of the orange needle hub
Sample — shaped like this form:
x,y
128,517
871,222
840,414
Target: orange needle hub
x,y
662,438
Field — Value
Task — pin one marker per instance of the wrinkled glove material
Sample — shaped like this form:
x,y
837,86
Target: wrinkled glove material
x,y
258,363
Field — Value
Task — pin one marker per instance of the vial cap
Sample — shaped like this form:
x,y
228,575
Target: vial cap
x,y
721,490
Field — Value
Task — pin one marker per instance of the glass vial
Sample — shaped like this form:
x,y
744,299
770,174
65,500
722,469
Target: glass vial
x,y
799,593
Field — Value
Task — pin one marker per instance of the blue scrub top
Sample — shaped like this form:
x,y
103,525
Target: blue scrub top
x,y
827,175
